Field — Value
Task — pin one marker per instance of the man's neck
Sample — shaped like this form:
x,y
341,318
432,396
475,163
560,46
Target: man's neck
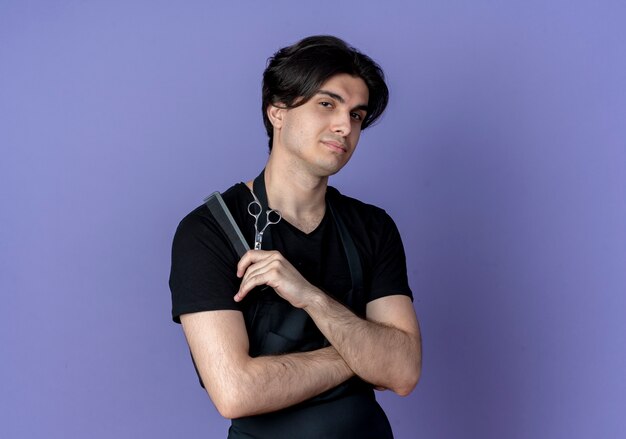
x,y
298,195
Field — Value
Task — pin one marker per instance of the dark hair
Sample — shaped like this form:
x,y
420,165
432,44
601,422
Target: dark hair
x,y
295,73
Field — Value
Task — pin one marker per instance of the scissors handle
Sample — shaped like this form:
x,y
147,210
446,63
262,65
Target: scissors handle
x,y
254,209
268,214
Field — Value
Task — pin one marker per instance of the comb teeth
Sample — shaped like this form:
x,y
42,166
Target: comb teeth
x,y
222,215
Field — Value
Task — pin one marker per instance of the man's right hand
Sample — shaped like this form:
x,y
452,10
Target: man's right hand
x,y
260,267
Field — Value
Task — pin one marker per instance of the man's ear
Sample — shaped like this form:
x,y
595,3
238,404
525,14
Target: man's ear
x,y
275,113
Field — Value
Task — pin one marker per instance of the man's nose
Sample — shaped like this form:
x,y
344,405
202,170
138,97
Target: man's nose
x,y
342,123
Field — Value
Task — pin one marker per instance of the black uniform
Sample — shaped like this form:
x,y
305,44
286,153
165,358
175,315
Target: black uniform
x,y
203,278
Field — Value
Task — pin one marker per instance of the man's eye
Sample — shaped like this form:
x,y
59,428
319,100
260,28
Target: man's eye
x,y
357,116
326,104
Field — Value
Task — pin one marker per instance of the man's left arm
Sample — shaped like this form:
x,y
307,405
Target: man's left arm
x,y
384,349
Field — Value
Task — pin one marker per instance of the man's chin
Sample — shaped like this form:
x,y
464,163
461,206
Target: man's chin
x,y
332,169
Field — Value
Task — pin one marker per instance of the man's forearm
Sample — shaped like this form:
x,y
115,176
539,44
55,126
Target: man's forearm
x,y
380,354
269,383
284,380
240,385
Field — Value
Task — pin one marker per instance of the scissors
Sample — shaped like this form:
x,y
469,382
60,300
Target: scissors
x,y
255,209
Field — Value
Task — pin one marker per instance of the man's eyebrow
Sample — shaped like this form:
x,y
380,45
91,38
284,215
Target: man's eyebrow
x,y
339,98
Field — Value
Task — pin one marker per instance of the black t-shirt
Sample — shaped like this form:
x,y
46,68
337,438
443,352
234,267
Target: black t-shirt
x,y
203,278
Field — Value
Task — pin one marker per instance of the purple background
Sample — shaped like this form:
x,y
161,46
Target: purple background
x,y
502,158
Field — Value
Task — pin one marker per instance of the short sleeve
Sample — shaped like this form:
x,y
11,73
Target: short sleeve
x,y
203,272
389,274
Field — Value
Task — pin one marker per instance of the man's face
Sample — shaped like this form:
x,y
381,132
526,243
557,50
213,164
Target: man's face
x,y
321,135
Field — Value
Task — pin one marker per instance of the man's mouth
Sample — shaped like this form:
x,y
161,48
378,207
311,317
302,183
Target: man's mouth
x,y
335,146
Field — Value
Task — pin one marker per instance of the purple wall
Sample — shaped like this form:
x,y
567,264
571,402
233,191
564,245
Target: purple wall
x,y
502,158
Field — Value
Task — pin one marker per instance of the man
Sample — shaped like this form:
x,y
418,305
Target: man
x,y
291,340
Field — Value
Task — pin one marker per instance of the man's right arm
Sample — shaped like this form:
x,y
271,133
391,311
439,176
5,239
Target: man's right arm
x,y
240,385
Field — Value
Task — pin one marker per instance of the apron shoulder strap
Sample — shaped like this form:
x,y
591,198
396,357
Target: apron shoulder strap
x,y
354,261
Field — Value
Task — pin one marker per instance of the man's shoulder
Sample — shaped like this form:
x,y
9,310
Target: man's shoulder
x,y
353,206
359,216
235,193
200,217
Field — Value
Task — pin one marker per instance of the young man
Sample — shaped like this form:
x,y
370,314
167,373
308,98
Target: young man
x,y
291,340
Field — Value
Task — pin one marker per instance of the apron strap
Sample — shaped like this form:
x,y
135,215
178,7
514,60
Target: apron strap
x,y
354,262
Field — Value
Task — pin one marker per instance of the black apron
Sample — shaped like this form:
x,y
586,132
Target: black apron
x,y
275,327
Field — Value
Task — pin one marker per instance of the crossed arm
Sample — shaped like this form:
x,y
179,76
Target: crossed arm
x,y
384,349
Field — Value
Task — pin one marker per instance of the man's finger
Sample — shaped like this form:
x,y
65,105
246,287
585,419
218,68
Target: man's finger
x,y
249,283
254,256
249,258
